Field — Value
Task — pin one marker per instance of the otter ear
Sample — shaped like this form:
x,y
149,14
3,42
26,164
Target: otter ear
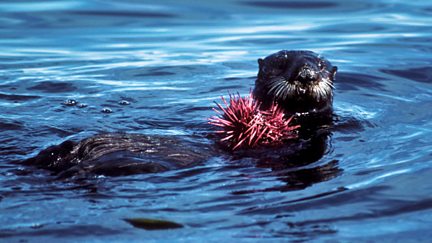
x,y
333,72
260,62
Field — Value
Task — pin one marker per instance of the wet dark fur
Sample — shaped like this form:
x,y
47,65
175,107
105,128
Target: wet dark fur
x,y
301,82
117,154
124,154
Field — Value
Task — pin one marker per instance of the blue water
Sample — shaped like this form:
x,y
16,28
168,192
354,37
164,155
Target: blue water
x,y
170,60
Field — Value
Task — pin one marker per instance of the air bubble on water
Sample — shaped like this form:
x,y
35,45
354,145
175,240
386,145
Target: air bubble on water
x,y
70,102
124,102
106,110
36,226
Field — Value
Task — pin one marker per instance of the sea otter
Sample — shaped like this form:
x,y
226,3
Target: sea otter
x,y
301,82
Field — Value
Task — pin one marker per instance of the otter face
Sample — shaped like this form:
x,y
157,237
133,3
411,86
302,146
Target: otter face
x,y
299,81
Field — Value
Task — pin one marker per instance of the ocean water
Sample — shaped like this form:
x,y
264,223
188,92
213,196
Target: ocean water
x,y
170,60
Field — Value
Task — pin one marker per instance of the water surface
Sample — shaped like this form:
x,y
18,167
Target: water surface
x,y
170,60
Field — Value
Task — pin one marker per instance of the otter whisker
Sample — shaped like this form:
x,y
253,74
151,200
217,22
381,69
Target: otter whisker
x,y
283,92
276,86
288,91
280,90
327,82
275,89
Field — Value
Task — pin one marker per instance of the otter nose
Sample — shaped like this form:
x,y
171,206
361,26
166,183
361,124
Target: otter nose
x,y
307,74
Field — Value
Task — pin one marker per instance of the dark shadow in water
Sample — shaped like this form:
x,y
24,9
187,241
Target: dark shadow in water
x,y
7,125
71,231
53,87
292,4
127,14
157,74
18,98
287,163
387,208
348,124
420,74
354,81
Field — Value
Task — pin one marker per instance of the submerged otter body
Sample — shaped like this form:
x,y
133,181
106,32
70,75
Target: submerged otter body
x,y
118,154
301,82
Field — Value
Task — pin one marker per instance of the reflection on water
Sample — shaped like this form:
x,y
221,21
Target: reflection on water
x,y
366,180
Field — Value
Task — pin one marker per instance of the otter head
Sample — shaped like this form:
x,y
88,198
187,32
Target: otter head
x,y
301,82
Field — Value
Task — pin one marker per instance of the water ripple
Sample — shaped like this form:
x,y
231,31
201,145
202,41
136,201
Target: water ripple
x,y
158,67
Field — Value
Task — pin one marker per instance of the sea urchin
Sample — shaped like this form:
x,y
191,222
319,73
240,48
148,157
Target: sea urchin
x,y
242,124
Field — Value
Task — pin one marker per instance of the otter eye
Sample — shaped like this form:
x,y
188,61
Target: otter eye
x,y
321,65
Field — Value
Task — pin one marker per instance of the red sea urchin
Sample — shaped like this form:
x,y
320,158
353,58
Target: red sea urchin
x,y
242,124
